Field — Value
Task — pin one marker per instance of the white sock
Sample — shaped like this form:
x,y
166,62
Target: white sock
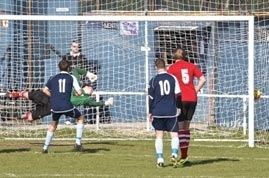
x,y
174,146
159,147
80,128
48,140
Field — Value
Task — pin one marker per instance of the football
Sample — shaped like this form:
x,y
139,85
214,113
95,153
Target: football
x,y
257,94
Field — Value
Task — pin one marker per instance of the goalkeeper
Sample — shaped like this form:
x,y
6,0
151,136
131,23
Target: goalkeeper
x,y
42,100
78,62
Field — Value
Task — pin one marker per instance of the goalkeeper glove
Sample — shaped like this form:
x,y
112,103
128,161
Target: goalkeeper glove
x,y
91,76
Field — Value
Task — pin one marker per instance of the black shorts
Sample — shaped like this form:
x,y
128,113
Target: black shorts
x,y
165,124
74,113
187,110
42,102
39,97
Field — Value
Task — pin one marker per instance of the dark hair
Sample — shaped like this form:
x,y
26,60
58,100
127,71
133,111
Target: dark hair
x,y
76,41
160,63
64,65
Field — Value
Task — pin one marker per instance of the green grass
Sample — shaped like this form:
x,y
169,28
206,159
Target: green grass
x,y
129,159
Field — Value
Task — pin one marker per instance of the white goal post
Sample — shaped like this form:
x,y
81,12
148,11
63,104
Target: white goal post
x,y
250,44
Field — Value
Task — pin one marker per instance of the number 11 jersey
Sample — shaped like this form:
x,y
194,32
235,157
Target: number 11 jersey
x,y
61,86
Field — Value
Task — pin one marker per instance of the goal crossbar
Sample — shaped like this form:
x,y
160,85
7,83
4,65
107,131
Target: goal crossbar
x,y
125,18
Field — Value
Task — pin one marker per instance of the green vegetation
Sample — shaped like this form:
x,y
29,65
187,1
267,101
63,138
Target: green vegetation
x,y
129,159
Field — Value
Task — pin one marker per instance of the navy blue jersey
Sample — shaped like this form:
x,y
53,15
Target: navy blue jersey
x,y
61,86
162,95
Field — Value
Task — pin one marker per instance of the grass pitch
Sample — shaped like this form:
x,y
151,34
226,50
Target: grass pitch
x,y
124,159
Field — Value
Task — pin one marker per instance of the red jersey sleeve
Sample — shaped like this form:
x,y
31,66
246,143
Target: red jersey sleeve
x,y
197,72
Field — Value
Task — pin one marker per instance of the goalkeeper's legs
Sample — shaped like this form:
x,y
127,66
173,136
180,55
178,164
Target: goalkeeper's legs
x,y
92,103
40,111
37,96
42,105
27,116
17,94
87,100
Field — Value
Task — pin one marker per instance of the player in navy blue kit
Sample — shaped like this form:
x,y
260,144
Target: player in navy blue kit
x,y
59,88
163,90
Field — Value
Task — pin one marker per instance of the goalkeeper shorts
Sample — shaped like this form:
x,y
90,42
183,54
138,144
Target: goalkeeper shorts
x,y
42,102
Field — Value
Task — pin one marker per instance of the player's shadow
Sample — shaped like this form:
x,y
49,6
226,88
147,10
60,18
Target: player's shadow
x,y
88,143
14,150
94,150
53,144
209,161
110,143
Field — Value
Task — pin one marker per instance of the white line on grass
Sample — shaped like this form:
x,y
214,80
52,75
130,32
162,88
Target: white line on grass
x,y
227,157
149,155
219,146
106,175
59,175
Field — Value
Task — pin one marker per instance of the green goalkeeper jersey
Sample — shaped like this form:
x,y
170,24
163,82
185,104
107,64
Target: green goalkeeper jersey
x,y
77,72
84,99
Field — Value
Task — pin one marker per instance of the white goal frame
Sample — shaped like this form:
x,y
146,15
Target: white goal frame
x,y
249,19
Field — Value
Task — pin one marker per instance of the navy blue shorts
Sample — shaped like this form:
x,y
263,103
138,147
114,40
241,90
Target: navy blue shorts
x,y
73,113
165,124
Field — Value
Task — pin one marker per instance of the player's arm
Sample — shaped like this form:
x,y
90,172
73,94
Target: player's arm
x,y
77,71
76,85
91,76
201,83
46,90
201,77
151,97
177,88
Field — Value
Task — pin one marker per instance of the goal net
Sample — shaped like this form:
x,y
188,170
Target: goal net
x,y
121,50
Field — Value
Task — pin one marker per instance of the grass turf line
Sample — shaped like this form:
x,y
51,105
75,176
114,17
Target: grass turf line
x,y
129,159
